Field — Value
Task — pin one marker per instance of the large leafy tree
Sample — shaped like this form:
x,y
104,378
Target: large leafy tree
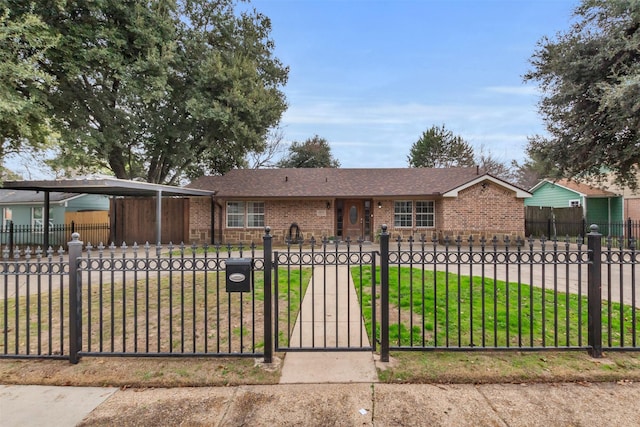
x,y
161,90
24,120
590,77
313,153
438,147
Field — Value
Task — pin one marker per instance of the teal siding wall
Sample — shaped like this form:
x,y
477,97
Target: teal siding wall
x,y
21,215
90,202
550,195
598,211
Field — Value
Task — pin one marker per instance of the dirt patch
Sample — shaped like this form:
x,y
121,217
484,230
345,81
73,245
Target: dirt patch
x,y
140,372
508,367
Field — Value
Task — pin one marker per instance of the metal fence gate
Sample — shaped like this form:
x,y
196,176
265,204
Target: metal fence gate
x,y
414,296
318,305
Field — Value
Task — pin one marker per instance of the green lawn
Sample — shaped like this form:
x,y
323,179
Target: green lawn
x,y
424,312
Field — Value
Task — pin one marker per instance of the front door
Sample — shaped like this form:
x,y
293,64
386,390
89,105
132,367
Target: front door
x,y
353,219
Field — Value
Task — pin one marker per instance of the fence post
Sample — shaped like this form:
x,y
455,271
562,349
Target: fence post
x,y
11,240
75,296
384,294
595,292
629,234
268,306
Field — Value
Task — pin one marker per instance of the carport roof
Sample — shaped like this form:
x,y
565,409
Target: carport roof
x,y
110,186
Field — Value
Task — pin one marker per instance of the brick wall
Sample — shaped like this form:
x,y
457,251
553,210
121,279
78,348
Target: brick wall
x,y
483,210
632,209
200,220
489,210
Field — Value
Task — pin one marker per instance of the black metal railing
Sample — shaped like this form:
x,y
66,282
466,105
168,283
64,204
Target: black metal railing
x,y
12,235
34,304
487,294
418,295
523,294
316,308
141,300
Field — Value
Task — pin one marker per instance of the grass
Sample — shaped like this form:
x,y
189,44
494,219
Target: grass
x,y
435,310
406,367
490,367
179,313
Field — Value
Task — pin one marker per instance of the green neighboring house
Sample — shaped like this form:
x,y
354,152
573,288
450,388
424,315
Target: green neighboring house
x,y
599,206
25,210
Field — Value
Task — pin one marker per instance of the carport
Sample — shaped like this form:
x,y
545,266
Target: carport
x,y
107,186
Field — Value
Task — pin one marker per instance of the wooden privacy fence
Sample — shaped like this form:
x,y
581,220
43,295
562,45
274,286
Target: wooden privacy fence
x,y
549,222
133,219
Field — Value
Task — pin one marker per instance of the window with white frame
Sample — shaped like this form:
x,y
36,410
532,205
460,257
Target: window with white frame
x,y
7,217
255,214
403,213
425,213
37,218
245,214
574,203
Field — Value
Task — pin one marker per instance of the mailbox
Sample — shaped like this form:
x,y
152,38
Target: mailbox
x,y
239,274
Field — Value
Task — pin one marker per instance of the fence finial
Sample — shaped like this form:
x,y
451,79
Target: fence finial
x,y
593,228
75,237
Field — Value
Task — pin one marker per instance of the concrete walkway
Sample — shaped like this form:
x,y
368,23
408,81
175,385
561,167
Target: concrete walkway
x,y
330,317
363,404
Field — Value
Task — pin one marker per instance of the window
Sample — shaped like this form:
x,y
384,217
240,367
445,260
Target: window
x,y
574,203
241,214
7,217
255,214
403,214
37,218
425,213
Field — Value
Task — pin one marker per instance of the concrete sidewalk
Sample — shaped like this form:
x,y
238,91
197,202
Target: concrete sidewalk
x,y
364,404
330,316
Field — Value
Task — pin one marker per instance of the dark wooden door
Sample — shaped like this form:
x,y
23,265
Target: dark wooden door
x,y
353,219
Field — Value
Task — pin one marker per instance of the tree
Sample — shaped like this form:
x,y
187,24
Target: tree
x,y
440,148
264,157
313,153
162,91
490,164
24,43
590,77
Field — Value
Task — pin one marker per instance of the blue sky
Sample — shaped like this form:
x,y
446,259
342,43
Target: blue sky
x,y
371,76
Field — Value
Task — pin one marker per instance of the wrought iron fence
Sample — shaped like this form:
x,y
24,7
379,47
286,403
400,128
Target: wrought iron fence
x,y
141,301
34,304
135,301
317,299
487,294
422,295
12,235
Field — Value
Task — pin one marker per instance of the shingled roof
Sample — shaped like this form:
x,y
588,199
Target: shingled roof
x,y
583,189
337,182
33,197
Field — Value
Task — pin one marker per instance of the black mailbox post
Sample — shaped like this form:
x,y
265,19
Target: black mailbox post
x,y
239,274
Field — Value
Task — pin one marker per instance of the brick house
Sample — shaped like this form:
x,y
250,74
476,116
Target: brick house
x,y
354,203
